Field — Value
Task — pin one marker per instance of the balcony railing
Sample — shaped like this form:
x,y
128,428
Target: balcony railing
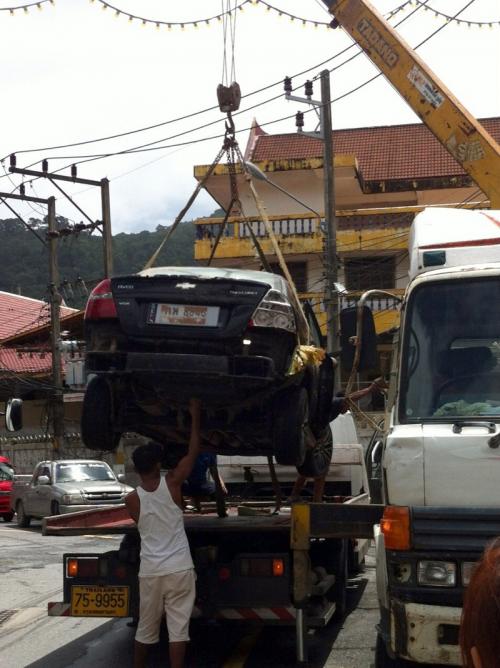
x,y
209,228
375,304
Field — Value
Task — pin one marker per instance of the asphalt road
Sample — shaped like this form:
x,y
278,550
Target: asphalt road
x,y
31,575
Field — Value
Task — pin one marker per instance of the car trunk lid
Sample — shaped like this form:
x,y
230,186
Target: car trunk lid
x,y
186,306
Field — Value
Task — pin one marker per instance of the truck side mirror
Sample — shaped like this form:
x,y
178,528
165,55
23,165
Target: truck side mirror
x,y
14,415
348,333
43,480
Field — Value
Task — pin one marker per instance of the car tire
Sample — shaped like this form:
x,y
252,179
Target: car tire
x,y
291,420
325,387
383,660
23,520
7,517
54,508
97,417
317,460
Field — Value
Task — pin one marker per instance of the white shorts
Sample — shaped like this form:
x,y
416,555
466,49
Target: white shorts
x,y
171,594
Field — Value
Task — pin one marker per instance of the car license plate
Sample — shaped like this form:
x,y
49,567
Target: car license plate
x,y
184,314
87,601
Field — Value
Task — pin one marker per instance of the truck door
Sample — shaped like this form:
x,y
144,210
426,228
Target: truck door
x,y
39,496
462,463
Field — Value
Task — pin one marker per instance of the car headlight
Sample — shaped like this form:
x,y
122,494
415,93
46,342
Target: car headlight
x,y
467,568
68,499
437,573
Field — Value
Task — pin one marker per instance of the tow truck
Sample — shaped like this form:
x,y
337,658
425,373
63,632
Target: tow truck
x,y
248,567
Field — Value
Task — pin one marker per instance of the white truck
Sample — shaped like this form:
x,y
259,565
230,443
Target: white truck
x,y
439,460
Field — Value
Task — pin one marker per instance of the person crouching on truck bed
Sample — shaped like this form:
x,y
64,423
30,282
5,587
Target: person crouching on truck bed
x,y
166,573
197,485
340,405
480,623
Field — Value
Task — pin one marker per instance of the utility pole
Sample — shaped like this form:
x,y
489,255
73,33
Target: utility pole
x,y
324,132
104,225
332,307
106,229
55,331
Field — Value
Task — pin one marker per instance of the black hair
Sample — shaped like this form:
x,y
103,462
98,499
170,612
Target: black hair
x,y
146,457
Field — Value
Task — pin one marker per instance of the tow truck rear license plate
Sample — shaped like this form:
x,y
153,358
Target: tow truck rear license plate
x,y
183,314
87,601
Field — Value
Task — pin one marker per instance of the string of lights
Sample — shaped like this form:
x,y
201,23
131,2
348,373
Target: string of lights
x,y
451,19
218,17
25,8
170,24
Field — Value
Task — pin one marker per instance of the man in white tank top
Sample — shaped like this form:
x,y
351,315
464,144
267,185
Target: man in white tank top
x,y
166,573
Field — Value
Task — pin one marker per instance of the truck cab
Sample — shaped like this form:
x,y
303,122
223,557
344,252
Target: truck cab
x,y
441,458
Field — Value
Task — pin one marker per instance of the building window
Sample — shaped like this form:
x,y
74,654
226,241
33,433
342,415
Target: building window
x,y
366,273
298,271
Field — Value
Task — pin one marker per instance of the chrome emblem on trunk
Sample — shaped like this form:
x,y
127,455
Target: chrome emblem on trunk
x,y
185,286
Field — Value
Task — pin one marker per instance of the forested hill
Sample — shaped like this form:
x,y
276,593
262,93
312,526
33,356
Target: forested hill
x,y
24,260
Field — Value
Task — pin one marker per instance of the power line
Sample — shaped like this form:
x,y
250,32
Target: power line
x,y
203,111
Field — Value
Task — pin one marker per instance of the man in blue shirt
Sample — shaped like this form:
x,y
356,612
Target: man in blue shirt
x,y
197,485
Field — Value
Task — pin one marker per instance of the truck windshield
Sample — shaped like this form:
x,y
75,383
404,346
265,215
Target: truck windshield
x,y
83,471
451,351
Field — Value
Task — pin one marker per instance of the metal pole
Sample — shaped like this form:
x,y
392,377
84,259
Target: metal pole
x,y
55,331
300,635
330,218
106,229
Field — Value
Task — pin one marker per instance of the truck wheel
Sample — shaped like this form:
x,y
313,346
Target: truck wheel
x,y
291,419
7,517
317,460
54,508
23,520
97,416
383,660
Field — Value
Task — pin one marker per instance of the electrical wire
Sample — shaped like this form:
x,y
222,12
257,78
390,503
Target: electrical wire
x,y
202,111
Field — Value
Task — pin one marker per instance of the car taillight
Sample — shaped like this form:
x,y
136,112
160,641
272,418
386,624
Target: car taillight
x,y
274,311
100,303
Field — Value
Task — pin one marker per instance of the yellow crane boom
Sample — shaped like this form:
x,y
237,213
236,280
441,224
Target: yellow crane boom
x,y
457,130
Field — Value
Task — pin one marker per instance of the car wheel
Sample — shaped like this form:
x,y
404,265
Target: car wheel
x,y
317,460
23,520
7,517
325,382
54,508
383,660
291,421
97,416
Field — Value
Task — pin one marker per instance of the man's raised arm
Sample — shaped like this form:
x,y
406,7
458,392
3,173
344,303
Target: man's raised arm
x,y
183,469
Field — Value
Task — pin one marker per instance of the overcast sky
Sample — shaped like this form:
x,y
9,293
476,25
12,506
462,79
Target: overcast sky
x,y
75,72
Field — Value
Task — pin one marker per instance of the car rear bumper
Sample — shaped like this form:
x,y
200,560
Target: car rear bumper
x,y
211,366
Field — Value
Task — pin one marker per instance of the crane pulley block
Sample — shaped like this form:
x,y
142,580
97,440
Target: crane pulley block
x,y
229,97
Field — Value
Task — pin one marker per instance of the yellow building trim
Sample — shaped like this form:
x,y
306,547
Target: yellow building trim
x,y
348,241
269,166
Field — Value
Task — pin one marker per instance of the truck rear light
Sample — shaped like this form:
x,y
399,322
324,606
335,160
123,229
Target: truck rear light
x,y
100,303
278,567
395,525
224,574
83,568
120,572
274,311
262,567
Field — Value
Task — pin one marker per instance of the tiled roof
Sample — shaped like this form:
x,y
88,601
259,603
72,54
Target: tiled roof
x,y
383,153
19,314
20,361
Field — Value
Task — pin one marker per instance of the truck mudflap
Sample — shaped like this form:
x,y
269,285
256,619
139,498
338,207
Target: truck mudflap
x,y
426,633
